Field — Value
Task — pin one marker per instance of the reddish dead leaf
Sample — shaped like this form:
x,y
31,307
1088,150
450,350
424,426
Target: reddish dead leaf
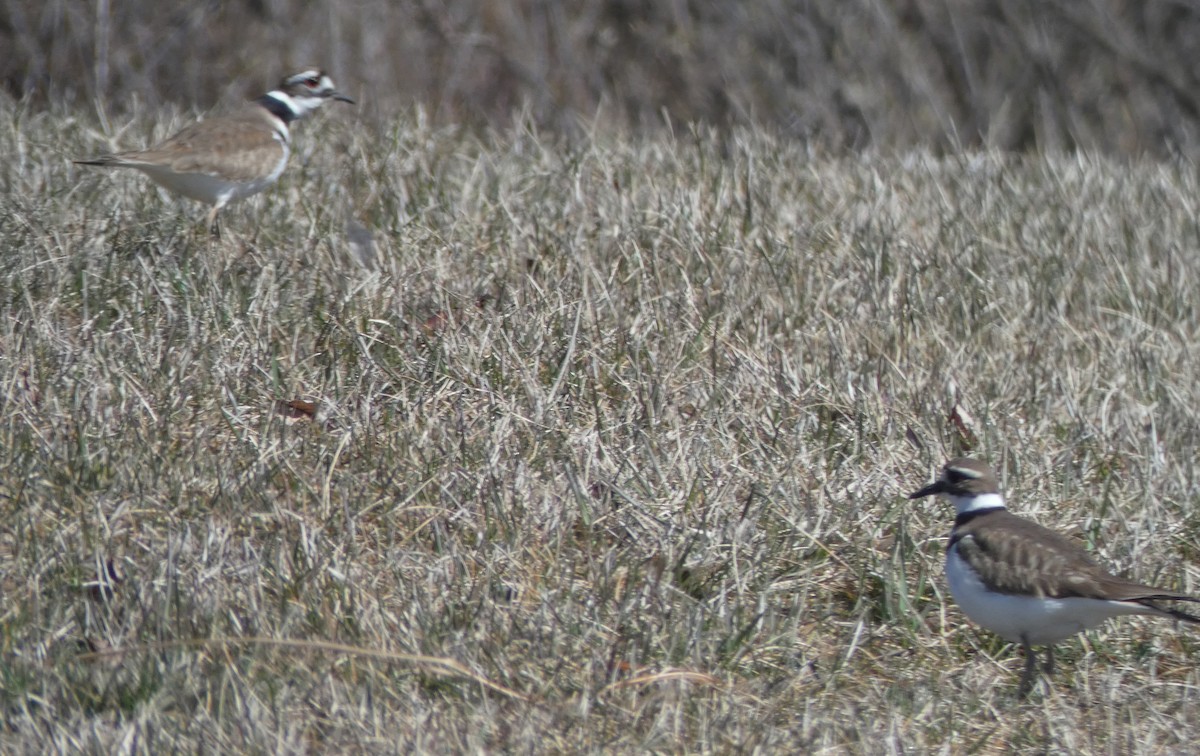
x,y
963,422
436,323
294,409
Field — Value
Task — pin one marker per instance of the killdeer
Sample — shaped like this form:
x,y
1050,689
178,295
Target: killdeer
x,y
1026,583
222,159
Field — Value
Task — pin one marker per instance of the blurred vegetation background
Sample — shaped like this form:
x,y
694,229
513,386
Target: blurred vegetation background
x,y
1116,76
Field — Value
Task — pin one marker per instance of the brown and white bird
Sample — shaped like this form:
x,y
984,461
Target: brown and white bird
x,y
1026,583
225,158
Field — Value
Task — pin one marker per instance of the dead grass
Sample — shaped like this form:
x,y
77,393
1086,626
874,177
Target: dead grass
x,y
608,445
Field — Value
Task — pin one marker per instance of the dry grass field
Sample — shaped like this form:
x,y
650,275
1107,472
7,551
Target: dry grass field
x,y
509,442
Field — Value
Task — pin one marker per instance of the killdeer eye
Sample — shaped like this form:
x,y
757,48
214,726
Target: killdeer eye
x,y
312,82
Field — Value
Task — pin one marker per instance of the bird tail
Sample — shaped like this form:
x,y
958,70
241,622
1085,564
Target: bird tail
x,y
1152,602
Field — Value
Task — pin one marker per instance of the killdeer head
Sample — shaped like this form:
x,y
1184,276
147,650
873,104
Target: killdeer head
x,y
969,484
1026,583
222,159
301,93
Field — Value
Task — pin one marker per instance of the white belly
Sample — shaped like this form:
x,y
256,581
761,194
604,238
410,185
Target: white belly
x,y
1016,619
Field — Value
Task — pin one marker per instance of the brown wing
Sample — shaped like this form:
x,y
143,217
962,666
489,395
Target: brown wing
x,y
240,147
1021,556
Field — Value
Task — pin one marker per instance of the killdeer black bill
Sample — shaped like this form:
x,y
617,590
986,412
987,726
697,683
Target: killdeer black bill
x,y
225,158
1026,583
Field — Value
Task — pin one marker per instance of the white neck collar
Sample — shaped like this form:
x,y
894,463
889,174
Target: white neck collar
x,y
979,502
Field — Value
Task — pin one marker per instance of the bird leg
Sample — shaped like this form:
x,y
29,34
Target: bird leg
x,y
1049,668
214,226
1026,683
